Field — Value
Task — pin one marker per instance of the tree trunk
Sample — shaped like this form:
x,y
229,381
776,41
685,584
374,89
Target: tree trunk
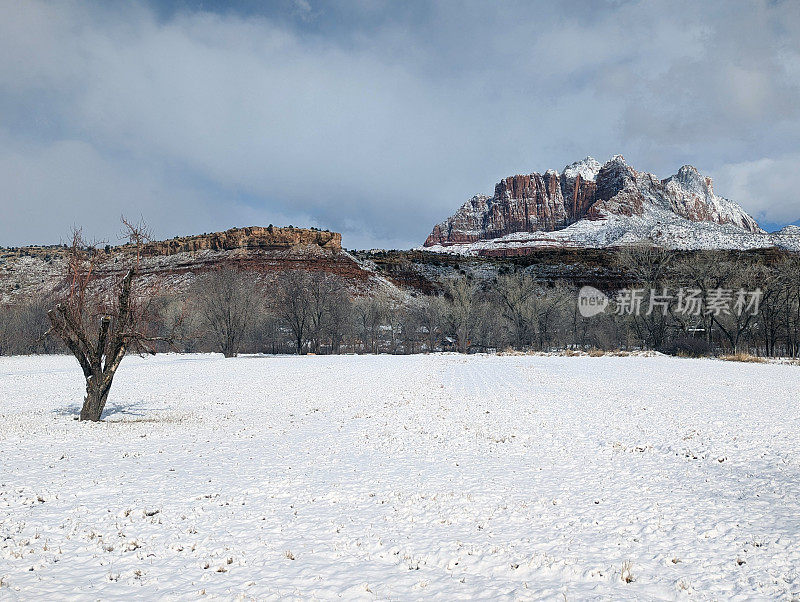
x,y
96,395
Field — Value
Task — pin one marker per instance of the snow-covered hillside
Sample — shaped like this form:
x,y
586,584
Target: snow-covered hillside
x,y
26,278
381,477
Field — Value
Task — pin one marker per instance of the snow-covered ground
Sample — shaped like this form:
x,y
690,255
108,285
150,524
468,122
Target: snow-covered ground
x,y
400,478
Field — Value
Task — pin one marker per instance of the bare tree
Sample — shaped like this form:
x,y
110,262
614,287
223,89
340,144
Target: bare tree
x,y
461,297
324,292
7,330
550,306
734,324
228,302
704,271
339,324
410,327
430,315
172,319
515,294
789,274
23,328
649,268
770,318
293,304
396,320
370,313
99,319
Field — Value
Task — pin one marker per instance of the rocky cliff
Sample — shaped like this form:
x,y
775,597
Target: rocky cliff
x,y
253,237
586,190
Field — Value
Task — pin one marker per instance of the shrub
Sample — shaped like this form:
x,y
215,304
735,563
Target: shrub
x,y
686,347
626,572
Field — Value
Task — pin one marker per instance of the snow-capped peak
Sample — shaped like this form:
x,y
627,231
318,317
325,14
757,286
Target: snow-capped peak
x,y
616,160
587,169
692,180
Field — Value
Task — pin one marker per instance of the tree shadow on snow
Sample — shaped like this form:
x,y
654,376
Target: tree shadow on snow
x,y
117,412
69,410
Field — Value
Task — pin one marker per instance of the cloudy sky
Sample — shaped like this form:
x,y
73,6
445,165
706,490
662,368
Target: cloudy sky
x,y
377,119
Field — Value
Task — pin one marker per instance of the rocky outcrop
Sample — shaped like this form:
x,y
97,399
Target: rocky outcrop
x,y
586,190
692,195
254,237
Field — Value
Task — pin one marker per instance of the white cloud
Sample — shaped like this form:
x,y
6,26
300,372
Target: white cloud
x,y
378,131
766,187
48,188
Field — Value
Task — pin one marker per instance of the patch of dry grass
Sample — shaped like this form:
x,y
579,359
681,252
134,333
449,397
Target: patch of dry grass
x,y
743,357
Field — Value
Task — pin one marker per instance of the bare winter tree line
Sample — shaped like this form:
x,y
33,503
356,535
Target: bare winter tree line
x,y
299,311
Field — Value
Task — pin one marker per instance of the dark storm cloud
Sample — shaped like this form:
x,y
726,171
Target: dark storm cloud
x,y
376,119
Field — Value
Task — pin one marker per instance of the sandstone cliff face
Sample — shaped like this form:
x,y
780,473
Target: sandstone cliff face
x,y
254,237
585,190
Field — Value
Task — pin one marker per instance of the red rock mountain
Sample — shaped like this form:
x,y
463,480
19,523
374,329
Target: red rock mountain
x,y
586,190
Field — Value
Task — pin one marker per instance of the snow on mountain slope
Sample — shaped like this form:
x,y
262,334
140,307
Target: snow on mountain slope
x,y
593,205
692,196
586,169
36,272
659,227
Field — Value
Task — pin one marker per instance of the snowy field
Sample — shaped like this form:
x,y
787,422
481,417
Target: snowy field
x,y
401,478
